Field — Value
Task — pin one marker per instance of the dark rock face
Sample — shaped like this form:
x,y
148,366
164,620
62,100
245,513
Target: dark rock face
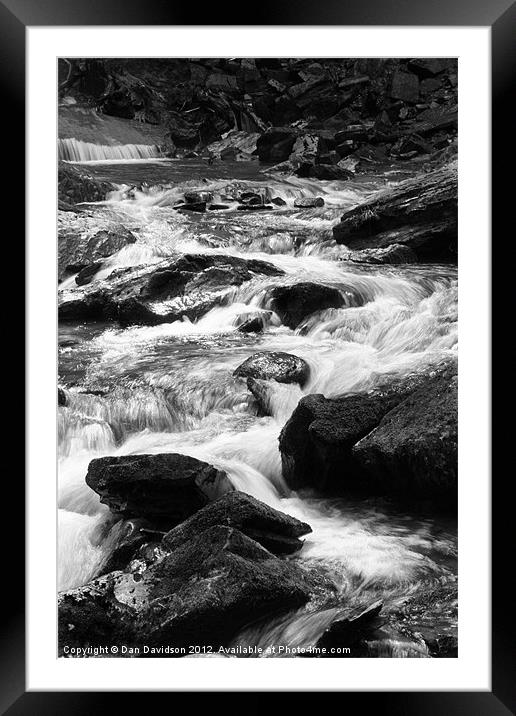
x,y
76,253
274,530
166,488
278,366
420,213
61,397
295,303
414,448
132,296
202,594
390,442
77,185
316,442
275,145
197,101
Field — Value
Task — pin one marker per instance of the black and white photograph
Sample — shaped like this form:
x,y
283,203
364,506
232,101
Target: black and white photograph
x,y
257,357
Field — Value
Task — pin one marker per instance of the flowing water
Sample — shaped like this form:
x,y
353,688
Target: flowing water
x,y
169,388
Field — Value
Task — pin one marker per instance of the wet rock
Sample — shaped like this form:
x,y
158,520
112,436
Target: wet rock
x,y
278,366
254,323
277,532
76,252
393,254
414,448
278,201
202,594
86,274
275,145
198,197
294,303
420,213
91,616
217,207
191,285
130,539
317,443
350,631
61,397
309,202
251,325
78,185
165,488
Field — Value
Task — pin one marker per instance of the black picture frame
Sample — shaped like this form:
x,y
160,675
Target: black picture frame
x,y
500,16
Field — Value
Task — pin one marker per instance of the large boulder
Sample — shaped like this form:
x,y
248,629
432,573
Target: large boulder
x,y
420,213
76,252
278,366
186,286
414,448
294,303
201,594
274,530
338,445
316,442
78,185
166,488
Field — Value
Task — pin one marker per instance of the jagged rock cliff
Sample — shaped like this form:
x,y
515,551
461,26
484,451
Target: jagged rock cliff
x,y
399,107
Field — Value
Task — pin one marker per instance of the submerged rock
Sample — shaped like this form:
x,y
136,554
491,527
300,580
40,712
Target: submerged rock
x,y
420,213
278,366
294,303
274,530
166,488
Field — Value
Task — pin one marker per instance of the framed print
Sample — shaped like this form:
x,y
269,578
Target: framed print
x,y
259,399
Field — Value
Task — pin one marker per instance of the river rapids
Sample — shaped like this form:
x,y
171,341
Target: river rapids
x,y
169,388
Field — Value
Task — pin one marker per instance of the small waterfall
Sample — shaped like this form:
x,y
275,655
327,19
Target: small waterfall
x,y
74,150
